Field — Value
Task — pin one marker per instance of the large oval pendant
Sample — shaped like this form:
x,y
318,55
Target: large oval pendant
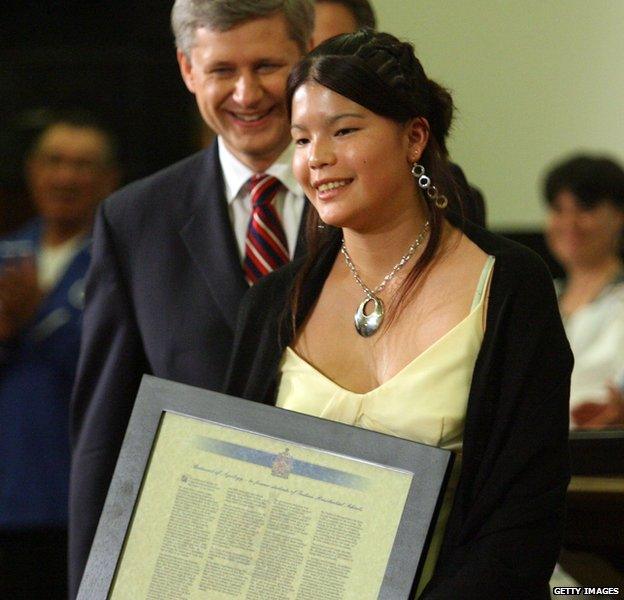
x,y
367,325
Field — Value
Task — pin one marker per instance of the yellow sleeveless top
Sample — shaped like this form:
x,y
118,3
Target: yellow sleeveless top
x,y
424,402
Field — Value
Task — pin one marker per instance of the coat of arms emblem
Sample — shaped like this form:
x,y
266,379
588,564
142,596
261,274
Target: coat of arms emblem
x,y
282,464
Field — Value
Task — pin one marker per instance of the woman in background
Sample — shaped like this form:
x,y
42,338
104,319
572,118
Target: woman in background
x,y
585,197
457,340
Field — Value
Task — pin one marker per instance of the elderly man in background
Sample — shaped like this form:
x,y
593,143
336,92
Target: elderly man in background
x,y
70,169
174,254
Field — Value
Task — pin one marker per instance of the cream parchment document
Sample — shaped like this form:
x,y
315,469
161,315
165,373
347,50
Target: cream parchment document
x,y
226,514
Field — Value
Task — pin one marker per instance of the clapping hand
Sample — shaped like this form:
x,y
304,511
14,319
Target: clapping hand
x,y
20,296
594,415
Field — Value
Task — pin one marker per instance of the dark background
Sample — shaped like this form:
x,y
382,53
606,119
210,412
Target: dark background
x,y
116,59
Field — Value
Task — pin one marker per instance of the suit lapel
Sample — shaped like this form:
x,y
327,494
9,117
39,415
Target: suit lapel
x,y
210,241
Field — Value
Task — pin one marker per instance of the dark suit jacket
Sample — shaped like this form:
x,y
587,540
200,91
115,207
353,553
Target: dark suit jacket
x,y
162,296
504,531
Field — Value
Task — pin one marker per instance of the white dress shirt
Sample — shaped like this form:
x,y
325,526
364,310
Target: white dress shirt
x,y
288,203
52,261
596,336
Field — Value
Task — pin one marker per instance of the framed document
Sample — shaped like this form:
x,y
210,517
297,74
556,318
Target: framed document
x,y
221,498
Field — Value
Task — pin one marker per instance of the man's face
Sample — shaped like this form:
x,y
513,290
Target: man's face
x,y
239,77
330,19
69,175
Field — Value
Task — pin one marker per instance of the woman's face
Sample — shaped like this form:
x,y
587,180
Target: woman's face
x,y
353,164
581,236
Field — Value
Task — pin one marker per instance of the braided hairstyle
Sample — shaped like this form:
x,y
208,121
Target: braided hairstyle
x,y
381,73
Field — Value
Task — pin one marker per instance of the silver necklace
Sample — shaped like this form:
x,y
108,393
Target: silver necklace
x,y
367,325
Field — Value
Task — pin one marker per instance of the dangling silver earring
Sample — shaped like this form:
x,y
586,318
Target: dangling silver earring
x,y
424,182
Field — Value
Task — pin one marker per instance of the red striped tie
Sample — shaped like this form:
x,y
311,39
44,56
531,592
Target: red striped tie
x,y
266,247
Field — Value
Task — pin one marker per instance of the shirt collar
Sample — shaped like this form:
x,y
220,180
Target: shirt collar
x,y
236,174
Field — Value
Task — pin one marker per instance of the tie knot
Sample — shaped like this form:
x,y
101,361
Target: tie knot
x,y
263,188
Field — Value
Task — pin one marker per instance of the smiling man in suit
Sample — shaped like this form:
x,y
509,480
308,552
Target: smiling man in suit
x,y
174,253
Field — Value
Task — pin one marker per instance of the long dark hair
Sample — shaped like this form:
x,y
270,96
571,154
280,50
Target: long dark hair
x,y
382,74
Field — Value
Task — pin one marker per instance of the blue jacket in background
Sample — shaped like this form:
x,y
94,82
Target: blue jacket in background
x,y
36,375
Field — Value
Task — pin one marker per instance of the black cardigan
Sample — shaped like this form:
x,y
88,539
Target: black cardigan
x,y
504,531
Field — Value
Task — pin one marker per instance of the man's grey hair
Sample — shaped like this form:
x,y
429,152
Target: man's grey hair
x,y
188,15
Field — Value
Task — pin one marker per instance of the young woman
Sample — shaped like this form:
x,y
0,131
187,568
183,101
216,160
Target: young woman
x,y
408,320
585,197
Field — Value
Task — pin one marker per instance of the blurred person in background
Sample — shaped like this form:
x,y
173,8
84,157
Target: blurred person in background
x,y
585,198
69,170
333,17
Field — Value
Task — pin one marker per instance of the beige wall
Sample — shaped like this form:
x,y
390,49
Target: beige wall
x,y
533,80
